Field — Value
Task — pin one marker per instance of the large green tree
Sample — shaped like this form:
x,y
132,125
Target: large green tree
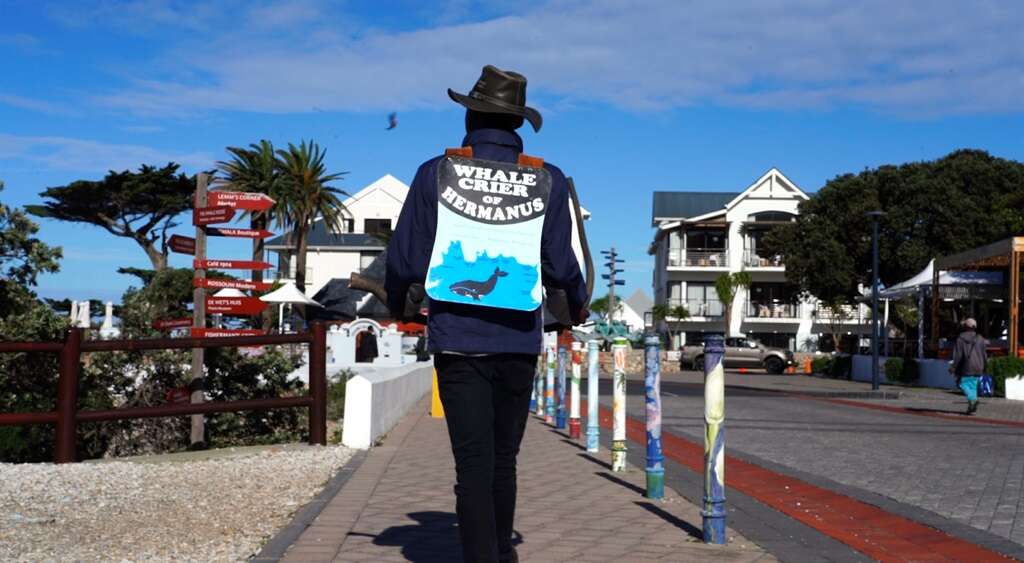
x,y
142,206
963,200
305,194
22,258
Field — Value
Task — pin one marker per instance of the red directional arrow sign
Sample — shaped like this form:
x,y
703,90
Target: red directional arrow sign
x,y
218,332
249,201
244,233
183,245
168,324
211,215
230,265
209,283
235,305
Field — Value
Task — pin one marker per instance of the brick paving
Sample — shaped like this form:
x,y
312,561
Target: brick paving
x,y
399,506
963,472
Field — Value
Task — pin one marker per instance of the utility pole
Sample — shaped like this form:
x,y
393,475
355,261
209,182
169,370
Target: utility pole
x,y
875,216
613,260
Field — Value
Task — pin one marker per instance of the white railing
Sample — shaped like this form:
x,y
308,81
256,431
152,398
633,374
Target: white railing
x,y
770,310
698,258
752,259
699,308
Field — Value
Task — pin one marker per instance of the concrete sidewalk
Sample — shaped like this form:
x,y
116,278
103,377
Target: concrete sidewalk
x,y
399,506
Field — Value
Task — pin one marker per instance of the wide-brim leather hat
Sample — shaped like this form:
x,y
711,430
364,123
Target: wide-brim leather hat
x,y
499,91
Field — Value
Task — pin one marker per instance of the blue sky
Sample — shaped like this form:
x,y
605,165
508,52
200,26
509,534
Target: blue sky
x,y
636,97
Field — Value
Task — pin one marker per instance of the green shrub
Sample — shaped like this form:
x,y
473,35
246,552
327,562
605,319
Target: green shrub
x,y
894,370
822,365
1004,367
842,366
336,394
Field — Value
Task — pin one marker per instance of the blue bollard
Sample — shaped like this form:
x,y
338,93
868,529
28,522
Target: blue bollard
x,y
560,417
533,392
714,441
652,385
593,424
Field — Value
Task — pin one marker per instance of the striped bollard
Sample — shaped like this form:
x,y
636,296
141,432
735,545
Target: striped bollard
x,y
560,415
593,424
619,349
714,441
549,391
574,400
533,392
652,386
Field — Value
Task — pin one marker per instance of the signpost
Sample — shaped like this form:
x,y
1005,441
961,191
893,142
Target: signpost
x,y
231,264
242,233
249,201
168,324
182,245
235,305
197,438
211,215
222,332
209,283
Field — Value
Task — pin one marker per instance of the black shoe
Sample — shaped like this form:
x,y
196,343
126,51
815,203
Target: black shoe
x,y
972,407
509,557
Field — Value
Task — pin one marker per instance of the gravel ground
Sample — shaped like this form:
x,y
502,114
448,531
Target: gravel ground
x,y
210,510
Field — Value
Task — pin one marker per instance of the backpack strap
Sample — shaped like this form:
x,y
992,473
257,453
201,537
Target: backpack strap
x,y
531,161
464,152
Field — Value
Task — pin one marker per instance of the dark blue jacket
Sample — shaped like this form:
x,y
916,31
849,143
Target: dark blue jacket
x,y
472,329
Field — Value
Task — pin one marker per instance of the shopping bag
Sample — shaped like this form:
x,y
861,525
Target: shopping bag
x,y
985,386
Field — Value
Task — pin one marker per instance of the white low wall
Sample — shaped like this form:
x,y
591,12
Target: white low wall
x,y
377,398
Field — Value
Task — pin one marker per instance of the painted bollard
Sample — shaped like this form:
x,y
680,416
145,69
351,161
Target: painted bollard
x,y
593,424
574,399
652,387
560,415
538,388
549,390
533,393
714,441
619,404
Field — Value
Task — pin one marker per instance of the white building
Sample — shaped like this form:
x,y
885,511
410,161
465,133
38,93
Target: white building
x,y
701,235
337,251
632,310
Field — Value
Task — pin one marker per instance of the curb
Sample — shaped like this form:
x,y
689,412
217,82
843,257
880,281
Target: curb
x,y
276,547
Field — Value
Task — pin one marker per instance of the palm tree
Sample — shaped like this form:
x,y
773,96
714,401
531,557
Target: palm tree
x,y
662,312
727,287
305,194
253,170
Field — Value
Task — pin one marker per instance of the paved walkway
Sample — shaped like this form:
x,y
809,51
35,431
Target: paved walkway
x,y
399,506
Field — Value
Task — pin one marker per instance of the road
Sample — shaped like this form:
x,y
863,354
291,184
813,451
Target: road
x,y
949,474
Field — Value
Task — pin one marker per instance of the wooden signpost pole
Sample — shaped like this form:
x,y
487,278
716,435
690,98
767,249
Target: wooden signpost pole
x,y
198,434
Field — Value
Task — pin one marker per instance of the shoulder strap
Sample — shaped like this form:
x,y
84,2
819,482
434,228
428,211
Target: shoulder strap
x,y
465,152
524,159
531,161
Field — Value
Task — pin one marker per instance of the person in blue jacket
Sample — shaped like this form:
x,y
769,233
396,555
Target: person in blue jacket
x,y
485,357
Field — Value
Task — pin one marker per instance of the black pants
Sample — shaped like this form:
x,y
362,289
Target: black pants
x,y
486,402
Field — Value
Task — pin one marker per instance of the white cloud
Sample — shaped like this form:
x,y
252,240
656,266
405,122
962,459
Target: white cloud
x,y
33,104
927,56
82,155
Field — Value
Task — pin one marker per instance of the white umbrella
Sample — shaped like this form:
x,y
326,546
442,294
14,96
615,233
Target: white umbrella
x,y
290,294
229,292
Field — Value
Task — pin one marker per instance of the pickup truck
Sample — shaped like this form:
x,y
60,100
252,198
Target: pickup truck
x,y
739,353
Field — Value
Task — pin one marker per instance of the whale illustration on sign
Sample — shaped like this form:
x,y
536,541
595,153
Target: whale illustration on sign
x,y
475,289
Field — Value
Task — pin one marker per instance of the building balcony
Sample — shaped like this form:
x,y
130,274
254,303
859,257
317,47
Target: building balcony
x,y
698,258
751,259
699,308
762,310
852,314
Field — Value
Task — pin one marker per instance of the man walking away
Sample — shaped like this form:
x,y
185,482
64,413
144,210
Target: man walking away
x,y
482,228
969,361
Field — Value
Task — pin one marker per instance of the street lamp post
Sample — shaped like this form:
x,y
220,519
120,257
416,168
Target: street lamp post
x,y
875,215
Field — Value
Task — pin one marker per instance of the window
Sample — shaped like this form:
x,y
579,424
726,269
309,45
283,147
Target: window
x,y
347,225
706,239
367,258
377,226
702,300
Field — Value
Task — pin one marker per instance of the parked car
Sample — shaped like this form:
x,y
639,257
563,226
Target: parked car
x,y
740,353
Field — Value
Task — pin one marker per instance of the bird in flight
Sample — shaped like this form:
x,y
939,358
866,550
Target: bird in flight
x,y
392,121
